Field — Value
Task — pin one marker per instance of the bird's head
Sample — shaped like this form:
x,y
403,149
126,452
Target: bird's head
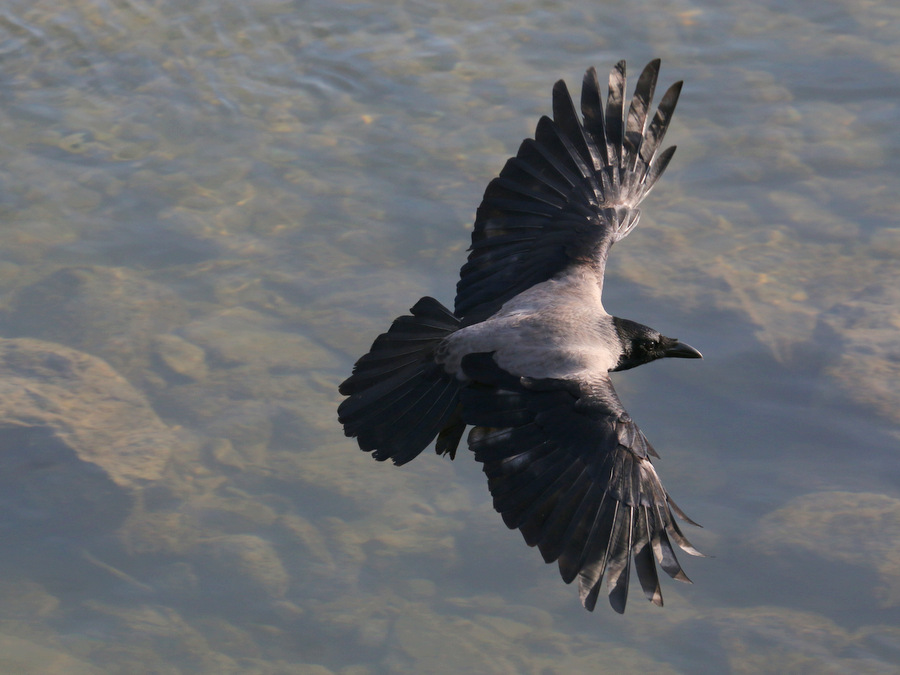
x,y
641,344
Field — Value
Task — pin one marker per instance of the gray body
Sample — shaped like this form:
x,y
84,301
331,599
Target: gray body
x,y
557,329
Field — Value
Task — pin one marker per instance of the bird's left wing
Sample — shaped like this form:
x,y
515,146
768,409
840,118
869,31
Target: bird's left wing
x,y
569,193
568,467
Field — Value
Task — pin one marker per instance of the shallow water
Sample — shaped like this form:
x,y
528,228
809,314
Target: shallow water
x,y
225,202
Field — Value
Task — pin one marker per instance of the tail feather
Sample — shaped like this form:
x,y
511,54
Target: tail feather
x,y
399,398
449,437
377,371
420,425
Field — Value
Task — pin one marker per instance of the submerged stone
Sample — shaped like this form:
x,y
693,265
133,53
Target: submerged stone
x,y
110,312
25,657
782,640
243,566
76,439
847,527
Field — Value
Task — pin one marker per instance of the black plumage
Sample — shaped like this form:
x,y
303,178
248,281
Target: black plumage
x,y
525,355
557,454
399,398
568,194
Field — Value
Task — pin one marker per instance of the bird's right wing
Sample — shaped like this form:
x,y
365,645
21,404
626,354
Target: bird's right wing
x,y
568,467
569,193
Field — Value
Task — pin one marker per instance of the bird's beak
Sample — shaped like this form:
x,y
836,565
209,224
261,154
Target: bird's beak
x,y
680,350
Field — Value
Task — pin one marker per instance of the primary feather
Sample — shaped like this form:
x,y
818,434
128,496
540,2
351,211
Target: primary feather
x,y
568,194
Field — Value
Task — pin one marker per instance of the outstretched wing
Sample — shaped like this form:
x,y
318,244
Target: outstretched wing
x,y
568,467
569,193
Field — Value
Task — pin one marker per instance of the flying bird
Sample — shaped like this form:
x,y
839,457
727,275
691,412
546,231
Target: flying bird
x,y
525,355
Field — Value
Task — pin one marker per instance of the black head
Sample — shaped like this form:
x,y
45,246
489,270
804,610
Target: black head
x,y
641,344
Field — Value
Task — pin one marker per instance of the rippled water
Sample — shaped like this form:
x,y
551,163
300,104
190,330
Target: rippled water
x,y
209,209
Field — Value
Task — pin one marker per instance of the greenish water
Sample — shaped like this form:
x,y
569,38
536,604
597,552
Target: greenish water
x,y
224,202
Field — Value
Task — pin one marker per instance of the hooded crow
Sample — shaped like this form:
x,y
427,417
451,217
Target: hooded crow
x,y
525,355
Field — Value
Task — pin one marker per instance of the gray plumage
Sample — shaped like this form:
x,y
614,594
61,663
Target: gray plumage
x,y
525,356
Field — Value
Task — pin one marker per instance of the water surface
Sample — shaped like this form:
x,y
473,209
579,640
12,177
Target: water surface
x,y
222,203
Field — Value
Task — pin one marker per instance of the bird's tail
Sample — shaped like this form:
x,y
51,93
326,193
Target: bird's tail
x,y
399,398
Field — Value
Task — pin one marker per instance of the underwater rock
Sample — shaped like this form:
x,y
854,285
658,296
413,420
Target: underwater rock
x,y
868,358
110,312
75,437
846,527
782,640
26,599
314,550
424,641
241,337
181,357
29,658
145,639
243,567
257,387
